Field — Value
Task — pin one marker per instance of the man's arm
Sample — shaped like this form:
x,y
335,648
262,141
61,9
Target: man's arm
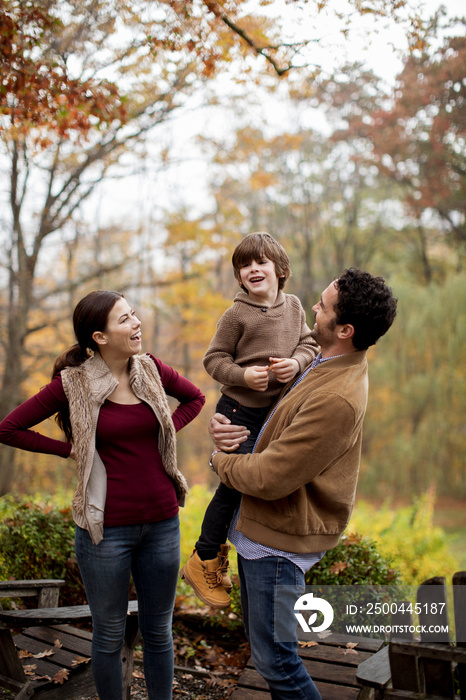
x,y
321,432
226,436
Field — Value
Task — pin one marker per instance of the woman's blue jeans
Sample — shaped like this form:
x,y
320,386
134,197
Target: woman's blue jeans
x,y
277,661
151,553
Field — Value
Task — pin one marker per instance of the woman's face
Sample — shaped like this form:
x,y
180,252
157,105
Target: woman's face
x,y
122,334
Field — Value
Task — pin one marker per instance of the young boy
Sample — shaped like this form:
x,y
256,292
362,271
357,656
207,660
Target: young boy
x,y
262,341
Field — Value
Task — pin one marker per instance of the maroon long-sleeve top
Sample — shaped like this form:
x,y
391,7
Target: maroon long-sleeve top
x,y
138,488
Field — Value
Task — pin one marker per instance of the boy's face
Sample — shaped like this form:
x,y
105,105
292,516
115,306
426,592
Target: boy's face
x,y
260,279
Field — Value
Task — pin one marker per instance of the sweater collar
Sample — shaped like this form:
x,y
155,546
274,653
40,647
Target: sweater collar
x,y
246,299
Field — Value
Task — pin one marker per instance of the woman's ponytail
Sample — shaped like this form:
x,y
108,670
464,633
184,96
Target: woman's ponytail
x,y
72,357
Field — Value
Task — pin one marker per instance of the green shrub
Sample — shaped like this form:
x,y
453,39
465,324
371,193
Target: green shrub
x,y
355,576
37,542
355,560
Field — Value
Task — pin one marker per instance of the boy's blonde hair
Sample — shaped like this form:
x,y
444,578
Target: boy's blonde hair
x,y
255,246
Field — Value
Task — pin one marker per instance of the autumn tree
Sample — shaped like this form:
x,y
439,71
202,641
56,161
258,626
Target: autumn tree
x,y
421,140
327,208
82,83
415,135
414,435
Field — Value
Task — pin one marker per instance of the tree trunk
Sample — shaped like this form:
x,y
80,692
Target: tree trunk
x,y
10,393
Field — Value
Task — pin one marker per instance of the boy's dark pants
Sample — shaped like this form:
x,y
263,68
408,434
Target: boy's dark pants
x,y
225,501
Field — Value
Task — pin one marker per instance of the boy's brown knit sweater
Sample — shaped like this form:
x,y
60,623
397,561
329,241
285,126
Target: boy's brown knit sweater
x,y
248,334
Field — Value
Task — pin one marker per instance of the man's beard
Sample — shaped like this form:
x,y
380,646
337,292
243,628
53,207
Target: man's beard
x,y
324,336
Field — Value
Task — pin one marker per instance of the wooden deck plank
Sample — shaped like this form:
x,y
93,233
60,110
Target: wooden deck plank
x,y
328,691
69,642
74,631
332,670
335,673
375,671
369,644
333,654
52,616
60,657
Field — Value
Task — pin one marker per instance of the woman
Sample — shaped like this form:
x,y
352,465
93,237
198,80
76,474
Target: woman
x,y
112,406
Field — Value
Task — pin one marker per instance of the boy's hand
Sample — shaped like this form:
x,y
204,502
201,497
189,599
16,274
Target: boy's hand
x,y
257,377
284,368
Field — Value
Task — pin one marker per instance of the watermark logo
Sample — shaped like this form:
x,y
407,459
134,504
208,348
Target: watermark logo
x,y
307,603
367,610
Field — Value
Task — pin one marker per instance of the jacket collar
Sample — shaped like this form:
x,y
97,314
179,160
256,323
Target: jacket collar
x,y
350,359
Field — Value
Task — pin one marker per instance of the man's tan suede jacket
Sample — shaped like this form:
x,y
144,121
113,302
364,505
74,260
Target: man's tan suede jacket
x,y
299,485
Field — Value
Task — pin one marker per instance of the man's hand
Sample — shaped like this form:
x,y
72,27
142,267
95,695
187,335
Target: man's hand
x,y
72,453
226,437
257,377
284,368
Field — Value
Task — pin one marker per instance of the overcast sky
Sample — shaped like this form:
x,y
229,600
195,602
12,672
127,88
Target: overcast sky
x,y
185,182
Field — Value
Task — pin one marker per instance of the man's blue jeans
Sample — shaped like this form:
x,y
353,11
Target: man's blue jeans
x,y
151,553
277,661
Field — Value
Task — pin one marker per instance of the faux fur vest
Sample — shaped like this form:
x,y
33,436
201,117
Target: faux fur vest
x,y
86,388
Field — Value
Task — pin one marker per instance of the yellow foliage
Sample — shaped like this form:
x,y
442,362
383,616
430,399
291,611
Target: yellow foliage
x,y
261,179
408,536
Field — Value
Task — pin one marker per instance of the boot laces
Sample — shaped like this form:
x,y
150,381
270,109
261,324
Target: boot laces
x,y
213,578
224,564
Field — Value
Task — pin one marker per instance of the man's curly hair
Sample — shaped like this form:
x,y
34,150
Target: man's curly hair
x,y
367,304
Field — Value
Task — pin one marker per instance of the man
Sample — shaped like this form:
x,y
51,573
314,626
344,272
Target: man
x,y
299,484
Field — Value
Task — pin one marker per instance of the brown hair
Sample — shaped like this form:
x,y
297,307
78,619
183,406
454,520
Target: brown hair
x,y
261,245
90,315
365,302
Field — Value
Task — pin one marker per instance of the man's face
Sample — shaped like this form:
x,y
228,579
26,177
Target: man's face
x,y
325,323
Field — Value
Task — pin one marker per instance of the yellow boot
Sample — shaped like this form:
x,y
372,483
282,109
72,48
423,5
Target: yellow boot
x,y
224,564
205,578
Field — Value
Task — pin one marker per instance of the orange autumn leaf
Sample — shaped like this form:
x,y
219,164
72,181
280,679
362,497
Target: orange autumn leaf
x,y
80,660
29,669
42,654
338,567
61,676
24,654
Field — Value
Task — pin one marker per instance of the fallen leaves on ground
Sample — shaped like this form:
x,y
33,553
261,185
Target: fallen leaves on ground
x,y
61,676
80,660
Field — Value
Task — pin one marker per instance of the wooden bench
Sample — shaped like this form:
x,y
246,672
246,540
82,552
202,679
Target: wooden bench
x,y
332,663
50,629
423,667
